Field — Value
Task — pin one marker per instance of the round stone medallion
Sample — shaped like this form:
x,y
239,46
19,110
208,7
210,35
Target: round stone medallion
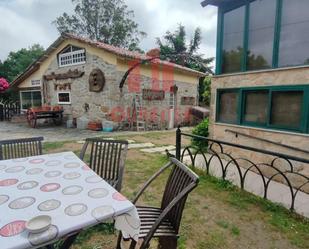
x,y
13,228
49,205
103,212
4,199
34,171
15,169
75,209
98,193
27,185
53,163
36,161
72,190
71,165
51,174
22,202
71,175
50,187
94,179
8,182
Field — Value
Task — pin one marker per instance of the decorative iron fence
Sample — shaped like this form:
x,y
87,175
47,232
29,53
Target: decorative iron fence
x,y
271,168
8,109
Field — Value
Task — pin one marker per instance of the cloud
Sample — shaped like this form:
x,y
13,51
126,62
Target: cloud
x,y
25,22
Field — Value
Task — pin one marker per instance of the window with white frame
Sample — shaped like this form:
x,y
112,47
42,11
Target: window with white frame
x,y
30,99
64,98
72,55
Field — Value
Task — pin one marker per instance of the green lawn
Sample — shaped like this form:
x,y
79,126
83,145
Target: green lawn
x,y
217,214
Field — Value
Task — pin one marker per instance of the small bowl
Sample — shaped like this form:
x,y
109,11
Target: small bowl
x,y
38,224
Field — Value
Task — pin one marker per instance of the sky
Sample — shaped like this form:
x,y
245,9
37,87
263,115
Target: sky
x,y
26,22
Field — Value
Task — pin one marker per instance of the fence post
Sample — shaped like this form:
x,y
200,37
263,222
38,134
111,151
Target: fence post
x,y
178,143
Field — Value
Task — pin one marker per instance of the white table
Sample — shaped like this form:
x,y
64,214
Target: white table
x,y
63,187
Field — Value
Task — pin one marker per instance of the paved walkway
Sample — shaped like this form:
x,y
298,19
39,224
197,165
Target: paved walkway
x,y
56,133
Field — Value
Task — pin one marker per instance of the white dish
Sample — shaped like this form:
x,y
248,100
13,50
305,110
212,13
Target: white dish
x,y
38,224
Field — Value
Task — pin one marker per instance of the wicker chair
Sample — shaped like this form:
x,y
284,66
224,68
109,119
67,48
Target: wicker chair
x,y
164,222
18,148
107,159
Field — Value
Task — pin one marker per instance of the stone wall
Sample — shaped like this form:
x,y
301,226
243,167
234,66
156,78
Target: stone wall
x,y
292,76
110,104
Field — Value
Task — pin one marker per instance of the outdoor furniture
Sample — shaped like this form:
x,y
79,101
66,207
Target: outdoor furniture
x,y
107,159
63,187
17,148
164,222
55,113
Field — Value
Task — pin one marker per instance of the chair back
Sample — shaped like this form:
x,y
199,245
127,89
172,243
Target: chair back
x,y
181,181
107,158
18,148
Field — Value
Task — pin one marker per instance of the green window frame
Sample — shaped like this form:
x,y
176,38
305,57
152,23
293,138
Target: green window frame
x,y
276,41
241,107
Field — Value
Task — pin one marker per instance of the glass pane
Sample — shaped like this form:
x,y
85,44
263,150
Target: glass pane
x,y
286,108
26,100
228,107
64,97
256,106
261,34
233,32
36,98
294,40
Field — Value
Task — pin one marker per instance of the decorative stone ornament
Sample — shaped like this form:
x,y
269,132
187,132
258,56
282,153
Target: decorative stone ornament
x,y
96,80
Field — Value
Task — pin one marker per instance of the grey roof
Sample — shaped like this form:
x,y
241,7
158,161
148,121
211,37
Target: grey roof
x,y
217,2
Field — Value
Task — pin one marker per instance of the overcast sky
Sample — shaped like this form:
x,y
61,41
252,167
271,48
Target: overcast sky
x,y
25,22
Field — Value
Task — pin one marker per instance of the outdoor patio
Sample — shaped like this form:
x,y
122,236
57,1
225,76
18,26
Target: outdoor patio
x,y
217,215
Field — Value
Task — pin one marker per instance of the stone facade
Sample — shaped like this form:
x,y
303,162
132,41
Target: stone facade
x,y
278,77
110,104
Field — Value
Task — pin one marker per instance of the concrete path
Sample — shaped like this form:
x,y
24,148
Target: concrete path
x,y
277,192
10,130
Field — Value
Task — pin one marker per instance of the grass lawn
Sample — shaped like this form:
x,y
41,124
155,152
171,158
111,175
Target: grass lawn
x,y
217,215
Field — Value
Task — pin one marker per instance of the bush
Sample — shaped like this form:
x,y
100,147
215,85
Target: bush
x,y
201,130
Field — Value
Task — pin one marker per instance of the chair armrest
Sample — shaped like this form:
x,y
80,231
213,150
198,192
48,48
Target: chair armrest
x,y
83,151
165,212
141,191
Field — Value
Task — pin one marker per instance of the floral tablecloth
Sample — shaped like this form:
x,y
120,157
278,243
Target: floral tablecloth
x,y
63,187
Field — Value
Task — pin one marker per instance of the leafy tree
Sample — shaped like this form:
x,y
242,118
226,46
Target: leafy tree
x,y
108,21
205,91
17,62
176,49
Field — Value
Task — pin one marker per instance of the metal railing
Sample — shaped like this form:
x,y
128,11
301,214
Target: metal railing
x,y
226,156
8,109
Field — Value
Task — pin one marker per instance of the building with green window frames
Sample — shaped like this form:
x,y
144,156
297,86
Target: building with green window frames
x,y
261,86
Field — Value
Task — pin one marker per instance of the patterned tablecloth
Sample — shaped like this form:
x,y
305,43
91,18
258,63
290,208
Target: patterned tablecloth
x,y
63,187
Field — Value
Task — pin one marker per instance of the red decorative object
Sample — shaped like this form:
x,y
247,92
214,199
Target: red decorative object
x,y
4,85
95,126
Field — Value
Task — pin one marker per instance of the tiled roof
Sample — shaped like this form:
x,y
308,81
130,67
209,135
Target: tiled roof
x,y
129,54
112,49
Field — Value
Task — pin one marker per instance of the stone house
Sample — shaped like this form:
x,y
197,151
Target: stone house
x,y
83,77
261,86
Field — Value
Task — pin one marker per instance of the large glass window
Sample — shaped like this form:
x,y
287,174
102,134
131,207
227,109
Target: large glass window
x,y
30,99
279,107
261,34
228,103
233,32
287,108
294,40
256,106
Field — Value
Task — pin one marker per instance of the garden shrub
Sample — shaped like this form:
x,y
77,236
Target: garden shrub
x,y
201,130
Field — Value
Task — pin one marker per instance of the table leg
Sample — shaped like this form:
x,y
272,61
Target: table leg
x,y
167,243
69,241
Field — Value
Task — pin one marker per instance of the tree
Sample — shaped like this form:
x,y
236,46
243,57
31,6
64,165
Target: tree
x,y
176,50
205,91
17,62
108,21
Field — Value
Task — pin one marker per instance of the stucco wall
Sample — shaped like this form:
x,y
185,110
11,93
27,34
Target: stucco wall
x,y
293,76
